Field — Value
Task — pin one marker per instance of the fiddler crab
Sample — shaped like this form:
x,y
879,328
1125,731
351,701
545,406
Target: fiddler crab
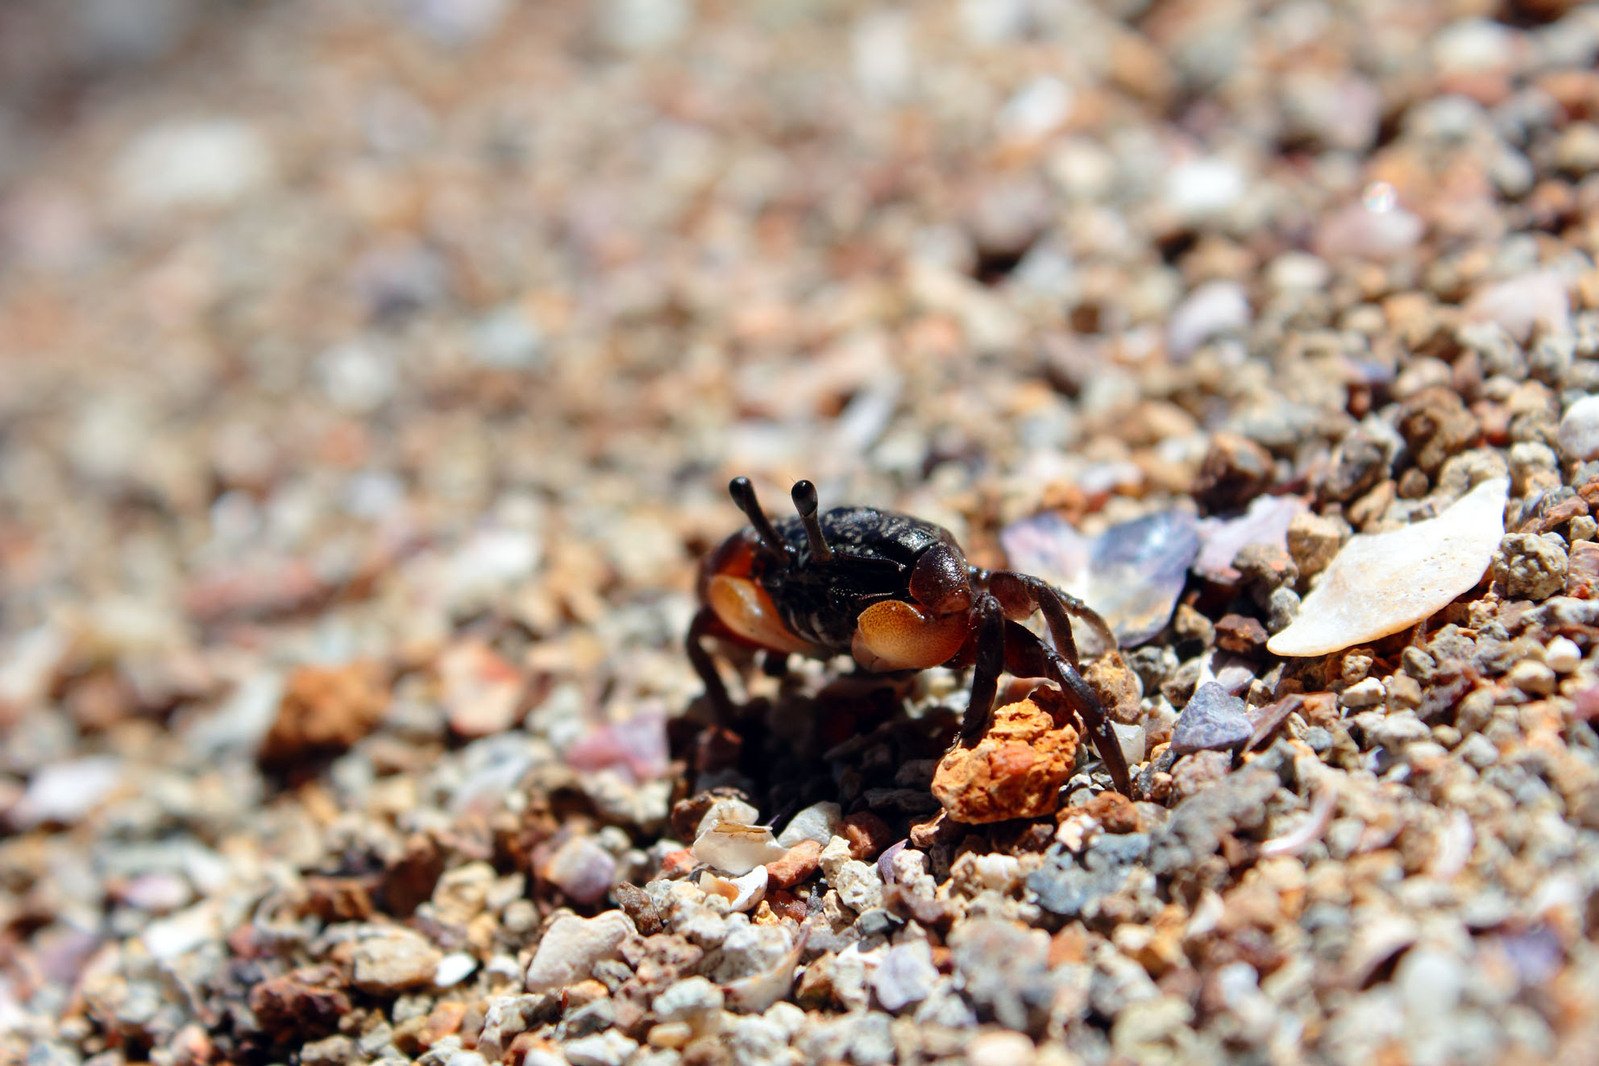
x,y
895,593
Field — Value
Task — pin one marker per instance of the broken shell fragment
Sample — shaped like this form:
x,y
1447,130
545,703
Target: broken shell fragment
x,y
737,849
755,993
741,893
1380,583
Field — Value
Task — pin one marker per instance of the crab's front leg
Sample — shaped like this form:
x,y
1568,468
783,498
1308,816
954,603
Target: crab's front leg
x,y
1028,656
1022,594
988,662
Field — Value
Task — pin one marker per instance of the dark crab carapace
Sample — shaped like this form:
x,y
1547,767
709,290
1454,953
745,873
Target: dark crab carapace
x,y
897,594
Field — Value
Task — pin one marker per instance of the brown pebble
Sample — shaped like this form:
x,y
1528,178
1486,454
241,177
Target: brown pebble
x,y
799,863
1114,812
1556,516
638,907
1014,771
325,710
1266,719
678,863
410,879
1240,633
445,1020
298,1005
1235,471
932,913
1582,570
1436,425
1114,682
338,899
867,834
786,905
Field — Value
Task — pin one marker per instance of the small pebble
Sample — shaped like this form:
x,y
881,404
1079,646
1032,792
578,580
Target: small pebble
x,y
1579,430
1367,693
1215,309
1532,567
66,792
394,962
905,975
693,999
1213,720
1532,677
453,969
199,163
609,1048
572,945
1522,304
1562,655
818,822
581,869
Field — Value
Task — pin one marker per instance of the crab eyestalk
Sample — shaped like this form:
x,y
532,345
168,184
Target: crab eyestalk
x,y
805,503
771,544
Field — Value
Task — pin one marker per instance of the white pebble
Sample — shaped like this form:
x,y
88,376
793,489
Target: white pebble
x,y
65,792
1000,1049
1367,693
572,946
1041,106
1201,189
454,968
1373,229
1579,430
609,1048
1523,303
1472,45
818,822
859,887
905,975
1533,677
183,164
1563,656
1214,309
687,1000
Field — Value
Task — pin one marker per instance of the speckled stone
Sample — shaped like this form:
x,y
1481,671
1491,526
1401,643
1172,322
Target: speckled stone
x,y
1213,720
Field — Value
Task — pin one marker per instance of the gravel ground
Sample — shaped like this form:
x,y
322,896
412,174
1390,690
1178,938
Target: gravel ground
x,y
372,376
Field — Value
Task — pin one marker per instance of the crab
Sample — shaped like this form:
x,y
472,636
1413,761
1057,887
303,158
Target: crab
x,y
896,594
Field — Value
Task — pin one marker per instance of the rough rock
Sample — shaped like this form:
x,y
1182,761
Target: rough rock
x,y
1014,771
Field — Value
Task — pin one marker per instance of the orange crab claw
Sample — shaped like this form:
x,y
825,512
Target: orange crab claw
x,y
893,635
745,608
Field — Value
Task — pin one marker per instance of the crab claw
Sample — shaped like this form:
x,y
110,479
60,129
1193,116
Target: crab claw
x,y
893,635
746,609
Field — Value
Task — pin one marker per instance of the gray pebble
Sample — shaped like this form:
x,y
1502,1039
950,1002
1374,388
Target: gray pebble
x,y
1213,720
1532,567
906,975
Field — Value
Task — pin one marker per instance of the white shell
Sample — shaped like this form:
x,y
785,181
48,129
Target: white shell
x,y
1380,583
741,893
736,849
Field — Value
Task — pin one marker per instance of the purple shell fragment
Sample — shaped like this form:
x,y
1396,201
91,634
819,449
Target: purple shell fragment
x,y
1132,573
1266,522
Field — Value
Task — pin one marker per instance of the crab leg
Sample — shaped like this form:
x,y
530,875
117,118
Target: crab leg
x,y
1028,656
706,624
1022,594
988,639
